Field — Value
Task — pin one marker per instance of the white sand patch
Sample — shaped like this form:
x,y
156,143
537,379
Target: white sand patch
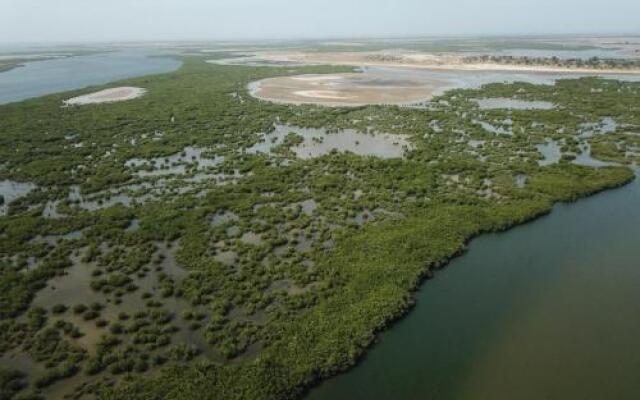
x,y
321,94
107,96
316,78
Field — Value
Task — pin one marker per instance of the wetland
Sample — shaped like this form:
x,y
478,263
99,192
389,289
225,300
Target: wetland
x,y
197,239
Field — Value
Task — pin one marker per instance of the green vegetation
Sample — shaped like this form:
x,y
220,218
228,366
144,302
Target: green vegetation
x,y
158,257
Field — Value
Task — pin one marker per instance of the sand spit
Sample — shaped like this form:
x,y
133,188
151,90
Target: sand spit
x,y
122,93
409,59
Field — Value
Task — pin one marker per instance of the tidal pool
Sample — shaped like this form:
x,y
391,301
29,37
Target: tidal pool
x,y
585,158
606,125
175,164
547,310
10,191
492,103
318,142
551,153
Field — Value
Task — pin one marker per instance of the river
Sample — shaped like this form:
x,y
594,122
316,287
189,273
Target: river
x,y
547,310
39,78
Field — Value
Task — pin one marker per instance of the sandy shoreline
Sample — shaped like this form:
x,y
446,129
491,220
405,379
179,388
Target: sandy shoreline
x,y
107,96
354,89
427,61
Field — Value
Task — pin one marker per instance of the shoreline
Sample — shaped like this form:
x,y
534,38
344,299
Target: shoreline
x,y
447,64
431,270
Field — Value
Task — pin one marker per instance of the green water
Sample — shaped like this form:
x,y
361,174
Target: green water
x,y
548,310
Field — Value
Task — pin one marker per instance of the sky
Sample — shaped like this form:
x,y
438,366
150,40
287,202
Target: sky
x,y
28,21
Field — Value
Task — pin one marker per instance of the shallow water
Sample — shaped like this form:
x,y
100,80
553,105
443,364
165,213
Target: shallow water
x,y
346,87
475,79
606,125
51,76
10,191
74,288
498,130
174,164
317,142
550,151
547,310
513,104
585,158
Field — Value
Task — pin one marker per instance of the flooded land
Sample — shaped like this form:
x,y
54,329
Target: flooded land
x,y
250,224
401,86
346,89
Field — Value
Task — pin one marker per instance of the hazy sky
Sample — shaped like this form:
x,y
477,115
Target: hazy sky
x,y
112,20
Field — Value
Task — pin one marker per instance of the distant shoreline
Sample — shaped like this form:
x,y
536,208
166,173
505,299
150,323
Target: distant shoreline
x,y
433,62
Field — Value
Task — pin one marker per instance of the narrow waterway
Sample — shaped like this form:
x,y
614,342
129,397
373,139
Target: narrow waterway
x,y
39,78
548,310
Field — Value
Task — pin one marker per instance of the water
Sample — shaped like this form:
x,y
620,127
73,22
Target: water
x,y
474,79
52,76
521,180
547,310
74,288
318,142
175,164
513,104
397,85
551,153
498,130
10,191
606,125
585,158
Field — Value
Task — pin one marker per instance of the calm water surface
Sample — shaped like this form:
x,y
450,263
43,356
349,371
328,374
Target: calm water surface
x,y
548,310
51,76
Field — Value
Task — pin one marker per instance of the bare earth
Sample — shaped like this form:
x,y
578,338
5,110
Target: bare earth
x,y
345,89
354,89
407,59
107,96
